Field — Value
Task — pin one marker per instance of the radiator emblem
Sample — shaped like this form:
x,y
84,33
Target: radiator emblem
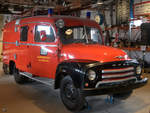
x,y
120,57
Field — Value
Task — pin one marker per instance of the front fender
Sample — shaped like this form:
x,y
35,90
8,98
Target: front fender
x,y
73,69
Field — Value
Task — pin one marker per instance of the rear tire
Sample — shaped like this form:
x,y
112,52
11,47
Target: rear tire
x,y
123,95
20,79
5,69
70,95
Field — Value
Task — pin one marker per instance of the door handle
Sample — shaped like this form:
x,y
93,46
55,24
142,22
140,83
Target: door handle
x,y
17,43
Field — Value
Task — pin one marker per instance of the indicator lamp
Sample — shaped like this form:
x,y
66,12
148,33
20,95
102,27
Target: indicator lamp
x,y
88,15
50,12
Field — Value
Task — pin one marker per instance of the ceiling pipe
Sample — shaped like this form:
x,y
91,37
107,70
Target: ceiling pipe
x,y
105,2
108,2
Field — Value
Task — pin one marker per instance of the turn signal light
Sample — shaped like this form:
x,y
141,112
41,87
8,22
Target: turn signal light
x,y
86,84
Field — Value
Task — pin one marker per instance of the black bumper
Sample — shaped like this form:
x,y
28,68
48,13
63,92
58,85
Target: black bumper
x,y
115,87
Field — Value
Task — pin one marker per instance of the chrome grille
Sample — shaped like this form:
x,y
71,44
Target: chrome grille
x,y
114,81
117,70
117,73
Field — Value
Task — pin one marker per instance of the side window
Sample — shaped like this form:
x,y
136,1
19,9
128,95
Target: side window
x,y
44,33
24,33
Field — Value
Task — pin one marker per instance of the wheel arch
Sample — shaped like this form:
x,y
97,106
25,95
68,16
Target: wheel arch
x,y
11,65
71,69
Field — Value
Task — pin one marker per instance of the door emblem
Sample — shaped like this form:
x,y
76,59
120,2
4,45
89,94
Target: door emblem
x,y
43,51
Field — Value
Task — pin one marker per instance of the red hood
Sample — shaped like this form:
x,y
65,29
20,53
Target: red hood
x,y
93,52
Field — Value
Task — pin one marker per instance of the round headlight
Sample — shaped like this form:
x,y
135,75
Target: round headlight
x,y
91,75
138,70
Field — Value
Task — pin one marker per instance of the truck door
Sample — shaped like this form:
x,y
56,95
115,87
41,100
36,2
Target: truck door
x,y
22,58
44,51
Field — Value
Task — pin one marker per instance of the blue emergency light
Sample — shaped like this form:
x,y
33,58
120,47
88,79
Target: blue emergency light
x,y
88,15
50,12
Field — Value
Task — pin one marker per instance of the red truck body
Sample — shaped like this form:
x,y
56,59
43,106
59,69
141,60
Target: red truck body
x,y
28,53
51,59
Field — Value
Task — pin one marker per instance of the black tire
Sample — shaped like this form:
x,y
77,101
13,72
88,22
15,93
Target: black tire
x,y
20,79
5,69
70,95
123,95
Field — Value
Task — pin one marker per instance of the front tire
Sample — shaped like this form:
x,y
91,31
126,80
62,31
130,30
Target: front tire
x,y
70,95
19,78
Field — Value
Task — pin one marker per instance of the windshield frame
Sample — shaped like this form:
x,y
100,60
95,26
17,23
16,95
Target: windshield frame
x,y
99,38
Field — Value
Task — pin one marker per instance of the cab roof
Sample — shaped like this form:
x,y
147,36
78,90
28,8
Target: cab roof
x,y
69,20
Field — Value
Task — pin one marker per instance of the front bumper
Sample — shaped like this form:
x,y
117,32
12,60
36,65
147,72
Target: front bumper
x,y
117,87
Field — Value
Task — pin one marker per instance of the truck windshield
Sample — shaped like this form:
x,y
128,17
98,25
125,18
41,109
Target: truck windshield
x,y
80,34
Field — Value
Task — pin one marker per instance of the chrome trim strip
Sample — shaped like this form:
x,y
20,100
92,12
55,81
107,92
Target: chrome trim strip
x,y
30,44
118,75
29,75
93,64
114,81
9,42
120,70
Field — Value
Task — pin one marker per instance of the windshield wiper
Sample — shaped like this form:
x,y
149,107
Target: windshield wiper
x,y
79,41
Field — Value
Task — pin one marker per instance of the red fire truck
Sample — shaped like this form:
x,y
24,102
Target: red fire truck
x,y
68,53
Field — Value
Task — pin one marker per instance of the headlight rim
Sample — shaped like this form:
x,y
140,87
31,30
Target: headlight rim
x,y
140,68
88,76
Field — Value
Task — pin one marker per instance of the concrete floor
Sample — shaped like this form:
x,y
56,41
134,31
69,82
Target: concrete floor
x,y
38,98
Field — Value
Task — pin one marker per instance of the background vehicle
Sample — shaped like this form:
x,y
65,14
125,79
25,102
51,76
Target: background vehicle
x,y
69,51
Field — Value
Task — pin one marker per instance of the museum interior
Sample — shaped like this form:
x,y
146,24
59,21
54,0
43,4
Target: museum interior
x,y
74,56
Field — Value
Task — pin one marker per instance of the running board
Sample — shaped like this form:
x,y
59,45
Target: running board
x,y
46,81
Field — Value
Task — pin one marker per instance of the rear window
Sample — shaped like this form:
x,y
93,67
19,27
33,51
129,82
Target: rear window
x,y
24,33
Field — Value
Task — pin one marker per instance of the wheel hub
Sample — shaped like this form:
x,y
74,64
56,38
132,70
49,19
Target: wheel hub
x,y
70,92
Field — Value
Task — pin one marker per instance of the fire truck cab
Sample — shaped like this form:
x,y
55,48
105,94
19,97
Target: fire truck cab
x,y
70,52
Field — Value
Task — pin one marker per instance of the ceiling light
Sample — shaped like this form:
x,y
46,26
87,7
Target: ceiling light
x,y
99,3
